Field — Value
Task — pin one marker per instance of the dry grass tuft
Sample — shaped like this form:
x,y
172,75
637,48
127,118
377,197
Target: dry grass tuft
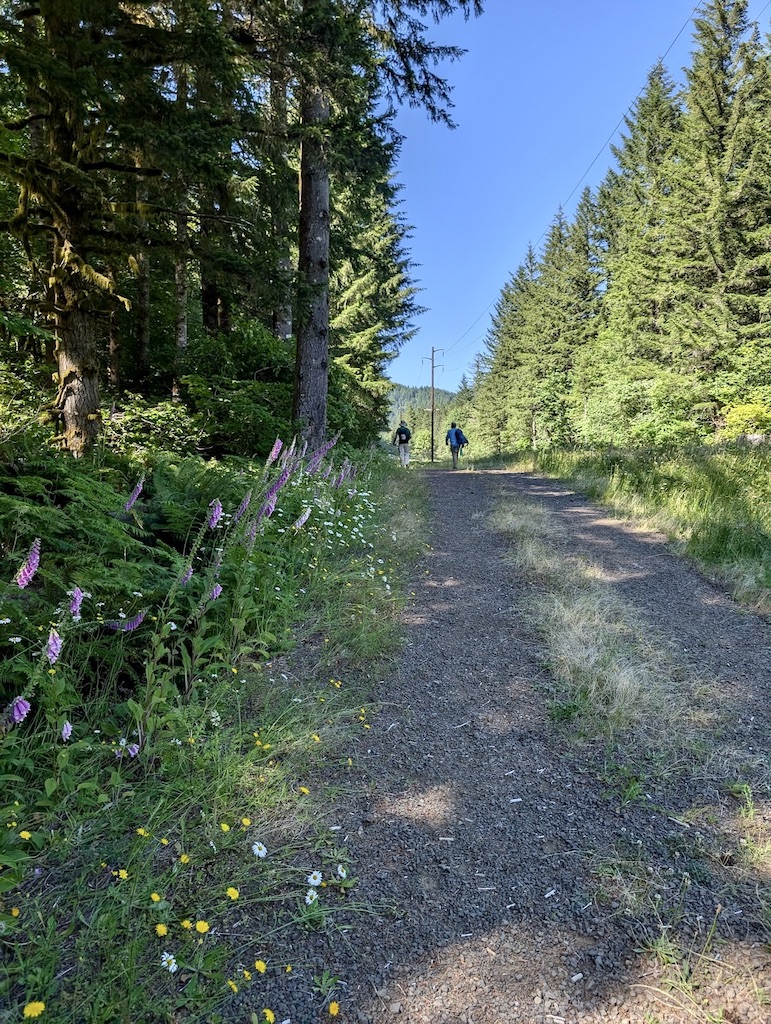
x,y
608,669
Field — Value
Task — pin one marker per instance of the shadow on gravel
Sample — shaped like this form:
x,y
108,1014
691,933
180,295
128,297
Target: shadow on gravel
x,y
530,880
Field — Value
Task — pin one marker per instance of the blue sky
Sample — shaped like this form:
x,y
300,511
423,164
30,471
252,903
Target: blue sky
x,y
537,96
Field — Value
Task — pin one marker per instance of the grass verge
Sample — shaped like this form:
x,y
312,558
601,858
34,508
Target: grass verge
x,y
158,885
714,503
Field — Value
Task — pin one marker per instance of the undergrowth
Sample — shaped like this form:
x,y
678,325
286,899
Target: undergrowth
x,y
166,776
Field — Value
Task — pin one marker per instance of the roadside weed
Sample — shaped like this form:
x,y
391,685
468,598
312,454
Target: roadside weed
x,y
163,830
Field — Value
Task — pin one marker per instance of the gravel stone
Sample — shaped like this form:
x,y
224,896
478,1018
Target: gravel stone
x,y
509,881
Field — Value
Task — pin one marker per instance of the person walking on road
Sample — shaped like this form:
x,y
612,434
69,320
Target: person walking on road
x,y
402,436
457,440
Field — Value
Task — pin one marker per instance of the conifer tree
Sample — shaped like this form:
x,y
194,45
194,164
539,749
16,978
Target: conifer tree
x,y
716,196
385,43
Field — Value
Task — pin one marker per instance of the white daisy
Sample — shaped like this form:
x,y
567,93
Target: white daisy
x,y
168,960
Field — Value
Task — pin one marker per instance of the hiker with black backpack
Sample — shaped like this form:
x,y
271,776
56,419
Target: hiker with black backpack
x,y
457,440
402,437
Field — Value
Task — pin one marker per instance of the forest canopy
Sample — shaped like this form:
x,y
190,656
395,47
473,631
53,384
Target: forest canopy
x,y
155,243
645,318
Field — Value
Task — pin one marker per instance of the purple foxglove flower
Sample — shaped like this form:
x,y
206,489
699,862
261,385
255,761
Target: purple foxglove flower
x,y
187,576
20,708
274,452
53,647
66,731
133,749
216,513
289,452
303,519
28,570
267,509
216,591
251,533
303,450
128,625
135,493
276,486
242,507
77,600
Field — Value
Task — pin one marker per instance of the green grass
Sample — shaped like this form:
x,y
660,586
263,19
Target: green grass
x,y
715,503
200,853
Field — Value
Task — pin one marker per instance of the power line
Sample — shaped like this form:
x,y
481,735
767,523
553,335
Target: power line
x,y
605,144
623,116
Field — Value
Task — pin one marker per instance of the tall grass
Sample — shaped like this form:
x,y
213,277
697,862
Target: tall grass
x,y
714,502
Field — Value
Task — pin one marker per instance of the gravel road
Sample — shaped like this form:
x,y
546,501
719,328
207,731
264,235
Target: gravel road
x,y
515,874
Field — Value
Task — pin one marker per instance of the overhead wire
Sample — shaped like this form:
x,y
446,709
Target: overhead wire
x,y
594,161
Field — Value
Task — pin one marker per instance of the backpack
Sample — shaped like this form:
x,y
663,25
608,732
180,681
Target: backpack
x,y
460,437
403,435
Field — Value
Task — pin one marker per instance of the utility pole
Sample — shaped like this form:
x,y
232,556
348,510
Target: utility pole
x,y
433,367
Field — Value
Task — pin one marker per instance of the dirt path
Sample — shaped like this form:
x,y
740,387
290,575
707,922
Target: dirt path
x,y
508,858
517,884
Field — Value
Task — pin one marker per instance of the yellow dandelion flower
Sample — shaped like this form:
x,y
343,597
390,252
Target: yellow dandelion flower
x,y
224,826
123,874
34,1009
184,859
270,1016
261,966
288,968
232,892
232,986
187,924
15,911
246,822
161,930
334,1009
142,832
155,897
304,790
202,927
316,738
164,842
248,975
24,834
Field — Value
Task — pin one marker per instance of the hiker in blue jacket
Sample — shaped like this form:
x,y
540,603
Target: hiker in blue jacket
x,y
456,439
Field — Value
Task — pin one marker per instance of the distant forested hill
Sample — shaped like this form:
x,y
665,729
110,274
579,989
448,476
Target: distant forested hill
x,y
404,400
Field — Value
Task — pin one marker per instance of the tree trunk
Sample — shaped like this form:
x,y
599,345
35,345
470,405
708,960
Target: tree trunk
x,y
284,177
76,406
181,286
180,264
142,309
312,360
